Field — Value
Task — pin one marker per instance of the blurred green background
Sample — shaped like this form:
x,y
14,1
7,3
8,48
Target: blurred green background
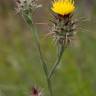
x,y
20,66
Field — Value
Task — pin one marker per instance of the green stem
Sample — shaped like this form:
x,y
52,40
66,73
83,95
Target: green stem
x,y
36,38
61,51
43,63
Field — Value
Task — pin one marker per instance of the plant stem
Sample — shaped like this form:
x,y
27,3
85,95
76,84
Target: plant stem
x,y
43,63
61,51
36,38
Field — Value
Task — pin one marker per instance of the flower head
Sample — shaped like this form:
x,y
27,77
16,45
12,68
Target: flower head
x,y
36,92
63,7
26,5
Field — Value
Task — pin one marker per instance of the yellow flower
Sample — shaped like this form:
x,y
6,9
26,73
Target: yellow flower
x,y
63,7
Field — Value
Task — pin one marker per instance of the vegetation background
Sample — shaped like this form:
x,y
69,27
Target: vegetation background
x,y
20,66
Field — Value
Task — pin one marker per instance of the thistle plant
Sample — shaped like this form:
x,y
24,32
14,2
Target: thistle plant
x,y
63,30
26,8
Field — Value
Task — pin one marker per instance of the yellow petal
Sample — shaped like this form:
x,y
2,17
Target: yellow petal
x,y
63,7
